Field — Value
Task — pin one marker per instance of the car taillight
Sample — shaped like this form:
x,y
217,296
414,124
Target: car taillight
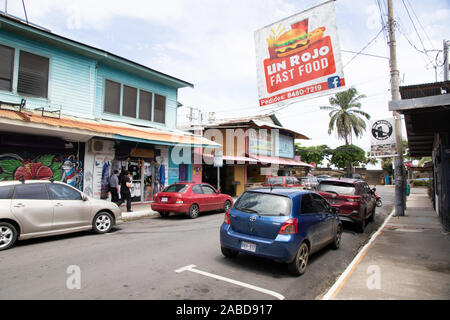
x,y
226,219
179,200
289,227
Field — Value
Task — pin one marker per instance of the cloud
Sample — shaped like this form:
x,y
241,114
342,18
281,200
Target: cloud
x,y
210,43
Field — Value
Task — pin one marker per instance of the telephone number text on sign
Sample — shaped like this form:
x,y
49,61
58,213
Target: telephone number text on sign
x,y
297,93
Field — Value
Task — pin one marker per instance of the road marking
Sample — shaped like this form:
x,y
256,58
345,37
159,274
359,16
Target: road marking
x,y
239,283
334,290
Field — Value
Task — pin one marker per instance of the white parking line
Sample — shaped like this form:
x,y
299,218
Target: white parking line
x,y
239,283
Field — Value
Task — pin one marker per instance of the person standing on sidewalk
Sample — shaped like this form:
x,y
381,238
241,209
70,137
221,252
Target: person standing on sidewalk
x,y
114,186
125,190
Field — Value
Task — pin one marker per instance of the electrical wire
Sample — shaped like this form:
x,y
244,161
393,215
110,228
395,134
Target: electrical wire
x,y
368,44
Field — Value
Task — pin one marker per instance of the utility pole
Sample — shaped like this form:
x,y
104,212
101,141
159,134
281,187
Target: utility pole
x,y
446,60
400,187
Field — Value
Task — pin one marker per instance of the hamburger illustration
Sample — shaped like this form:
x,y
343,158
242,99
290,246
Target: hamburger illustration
x,y
292,41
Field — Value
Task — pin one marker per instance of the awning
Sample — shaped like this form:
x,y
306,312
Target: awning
x,y
84,129
237,159
281,161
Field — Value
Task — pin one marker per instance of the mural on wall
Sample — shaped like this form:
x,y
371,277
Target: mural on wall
x,y
65,168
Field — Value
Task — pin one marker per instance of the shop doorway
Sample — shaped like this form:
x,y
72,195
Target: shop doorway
x,y
182,172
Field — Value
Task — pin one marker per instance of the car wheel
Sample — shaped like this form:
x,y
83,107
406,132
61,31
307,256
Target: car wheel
x,y
362,224
103,222
337,238
227,206
229,253
193,211
164,214
298,266
379,203
372,216
8,235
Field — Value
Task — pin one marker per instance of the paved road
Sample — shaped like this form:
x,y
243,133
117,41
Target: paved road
x,y
138,261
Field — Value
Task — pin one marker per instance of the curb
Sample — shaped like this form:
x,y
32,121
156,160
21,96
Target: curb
x,y
136,215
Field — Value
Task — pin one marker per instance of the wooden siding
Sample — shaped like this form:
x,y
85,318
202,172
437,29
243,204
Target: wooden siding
x,y
76,83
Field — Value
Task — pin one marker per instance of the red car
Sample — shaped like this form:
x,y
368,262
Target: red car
x,y
353,197
190,198
283,181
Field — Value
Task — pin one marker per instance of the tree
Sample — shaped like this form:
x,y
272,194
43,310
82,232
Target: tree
x,y
346,117
348,154
314,154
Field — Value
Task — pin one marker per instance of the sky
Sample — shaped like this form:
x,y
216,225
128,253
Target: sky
x,y
210,43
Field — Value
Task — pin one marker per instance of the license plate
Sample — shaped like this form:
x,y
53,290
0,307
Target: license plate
x,y
248,246
163,199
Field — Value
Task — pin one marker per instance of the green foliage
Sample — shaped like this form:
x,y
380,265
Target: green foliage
x,y
348,154
420,183
386,165
8,167
314,154
46,160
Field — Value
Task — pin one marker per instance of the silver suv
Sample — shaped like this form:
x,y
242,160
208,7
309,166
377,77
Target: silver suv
x,y
37,208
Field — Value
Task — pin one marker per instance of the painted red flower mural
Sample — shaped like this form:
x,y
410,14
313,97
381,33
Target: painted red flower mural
x,y
33,171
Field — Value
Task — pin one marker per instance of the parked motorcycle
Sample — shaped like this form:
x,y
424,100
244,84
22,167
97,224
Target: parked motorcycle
x,y
379,203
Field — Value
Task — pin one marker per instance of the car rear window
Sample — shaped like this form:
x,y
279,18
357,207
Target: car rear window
x,y
264,204
274,180
180,188
337,187
34,191
5,192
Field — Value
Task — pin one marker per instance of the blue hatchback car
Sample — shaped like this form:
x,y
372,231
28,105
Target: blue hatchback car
x,y
282,224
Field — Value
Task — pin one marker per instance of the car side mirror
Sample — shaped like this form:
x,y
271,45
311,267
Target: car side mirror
x,y
85,198
335,210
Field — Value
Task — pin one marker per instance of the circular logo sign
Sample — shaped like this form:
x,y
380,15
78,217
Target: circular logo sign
x,y
382,130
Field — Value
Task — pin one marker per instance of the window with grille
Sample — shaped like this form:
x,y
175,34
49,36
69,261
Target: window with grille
x,y
112,97
160,109
33,75
6,67
145,105
129,101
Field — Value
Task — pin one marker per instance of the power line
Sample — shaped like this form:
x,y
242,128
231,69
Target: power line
x,y
368,44
420,24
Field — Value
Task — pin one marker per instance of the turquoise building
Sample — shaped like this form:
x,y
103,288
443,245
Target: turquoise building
x,y
75,113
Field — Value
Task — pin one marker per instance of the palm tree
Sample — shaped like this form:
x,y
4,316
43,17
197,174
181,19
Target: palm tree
x,y
345,115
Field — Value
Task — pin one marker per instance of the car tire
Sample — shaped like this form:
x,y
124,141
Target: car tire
x,y
298,266
372,216
337,238
229,253
227,205
193,211
362,225
103,222
8,235
379,203
164,214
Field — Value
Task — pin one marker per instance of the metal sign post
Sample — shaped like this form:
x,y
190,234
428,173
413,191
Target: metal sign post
x,y
218,163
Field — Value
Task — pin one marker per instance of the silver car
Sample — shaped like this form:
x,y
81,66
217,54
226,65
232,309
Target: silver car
x,y
37,208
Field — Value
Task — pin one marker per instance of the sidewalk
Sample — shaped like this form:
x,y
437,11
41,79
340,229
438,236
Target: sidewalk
x,y
409,259
139,211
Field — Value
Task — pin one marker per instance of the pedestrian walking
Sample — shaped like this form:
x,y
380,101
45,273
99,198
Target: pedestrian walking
x,y
114,186
125,190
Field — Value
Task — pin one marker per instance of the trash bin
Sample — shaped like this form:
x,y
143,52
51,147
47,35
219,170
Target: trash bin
x,y
408,189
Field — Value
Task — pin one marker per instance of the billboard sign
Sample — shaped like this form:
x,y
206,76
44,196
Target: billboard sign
x,y
382,138
299,56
